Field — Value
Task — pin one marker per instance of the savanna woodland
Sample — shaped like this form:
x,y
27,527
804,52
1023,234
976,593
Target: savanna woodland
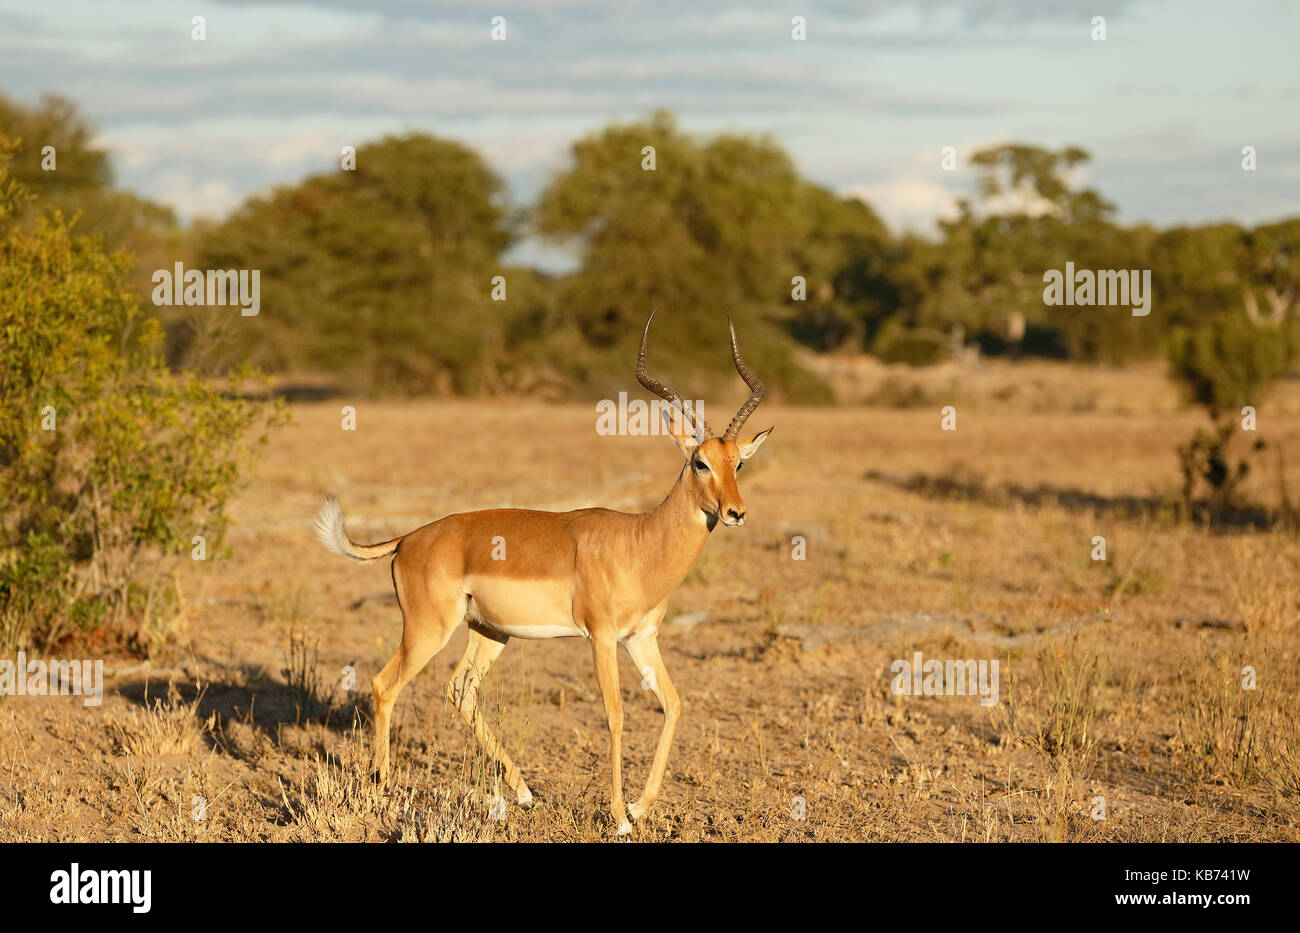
x,y
160,466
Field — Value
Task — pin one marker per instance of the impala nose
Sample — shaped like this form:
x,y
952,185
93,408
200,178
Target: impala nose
x,y
734,517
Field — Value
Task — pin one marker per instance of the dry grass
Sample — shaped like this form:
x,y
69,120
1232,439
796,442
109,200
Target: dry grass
x,y
339,802
1232,733
1121,679
161,728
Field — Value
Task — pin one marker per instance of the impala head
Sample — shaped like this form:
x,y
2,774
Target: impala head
x,y
712,462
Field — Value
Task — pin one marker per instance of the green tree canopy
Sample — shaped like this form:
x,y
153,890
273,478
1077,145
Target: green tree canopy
x,y
1029,216
76,178
718,225
79,166
381,275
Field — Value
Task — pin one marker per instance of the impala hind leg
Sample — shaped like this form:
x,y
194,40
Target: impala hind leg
x,y
463,691
427,625
645,655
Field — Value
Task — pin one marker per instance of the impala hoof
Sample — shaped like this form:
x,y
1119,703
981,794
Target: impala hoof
x,y
526,799
625,828
637,810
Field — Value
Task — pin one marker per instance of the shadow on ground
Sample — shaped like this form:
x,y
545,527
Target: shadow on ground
x,y
1075,500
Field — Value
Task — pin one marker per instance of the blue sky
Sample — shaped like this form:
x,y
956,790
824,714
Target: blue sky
x,y
864,105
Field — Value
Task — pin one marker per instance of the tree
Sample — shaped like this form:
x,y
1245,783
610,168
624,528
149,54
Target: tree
x,y
848,258
1030,216
75,177
1272,266
1029,181
79,166
1199,272
382,275
714,227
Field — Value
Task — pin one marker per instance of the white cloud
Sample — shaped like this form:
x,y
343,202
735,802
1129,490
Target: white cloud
x,y
907,202
305,148
193,197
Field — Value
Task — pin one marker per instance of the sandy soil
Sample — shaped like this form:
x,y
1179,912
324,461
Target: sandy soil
x,y
1120,679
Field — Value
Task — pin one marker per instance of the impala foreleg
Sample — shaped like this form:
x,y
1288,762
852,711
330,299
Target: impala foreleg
x,y
605,653
644,650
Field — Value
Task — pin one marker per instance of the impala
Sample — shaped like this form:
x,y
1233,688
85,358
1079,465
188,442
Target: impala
x,y
602,575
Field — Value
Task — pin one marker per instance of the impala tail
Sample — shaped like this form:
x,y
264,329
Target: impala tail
x,y
329,529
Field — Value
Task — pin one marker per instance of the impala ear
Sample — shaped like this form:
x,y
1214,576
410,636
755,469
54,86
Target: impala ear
x,y
676,429
750,447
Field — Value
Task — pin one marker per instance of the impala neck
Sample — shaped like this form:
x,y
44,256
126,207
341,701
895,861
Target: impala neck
x,y
674,532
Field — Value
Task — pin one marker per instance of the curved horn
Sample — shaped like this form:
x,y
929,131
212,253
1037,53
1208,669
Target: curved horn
x,y
698,426
757,390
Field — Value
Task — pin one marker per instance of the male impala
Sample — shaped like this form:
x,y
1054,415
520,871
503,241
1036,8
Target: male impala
x,y
599,574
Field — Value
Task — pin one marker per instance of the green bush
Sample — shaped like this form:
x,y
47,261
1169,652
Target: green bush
x,y
915,347
1224,364
109,463
1228,362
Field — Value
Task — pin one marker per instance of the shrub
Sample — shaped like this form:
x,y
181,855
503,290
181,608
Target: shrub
x,y
916,347
1228,362
1224,365
110,464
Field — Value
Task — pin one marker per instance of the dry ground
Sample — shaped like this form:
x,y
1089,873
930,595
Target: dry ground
x,y
1120,679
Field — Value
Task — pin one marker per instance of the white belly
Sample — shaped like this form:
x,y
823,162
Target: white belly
x,y
522,608
535,631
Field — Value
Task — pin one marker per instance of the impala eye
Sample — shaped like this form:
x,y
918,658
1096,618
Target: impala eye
x,y
739,464
701,466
